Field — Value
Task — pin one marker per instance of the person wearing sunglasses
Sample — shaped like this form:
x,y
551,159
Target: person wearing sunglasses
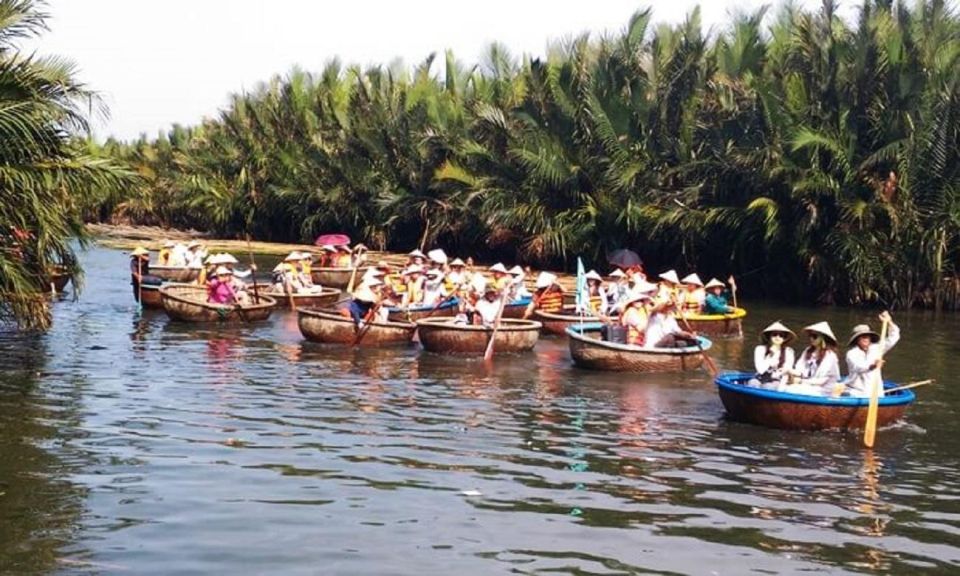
x,y
773,359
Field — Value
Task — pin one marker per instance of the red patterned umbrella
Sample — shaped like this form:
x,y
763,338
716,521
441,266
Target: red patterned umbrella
x,y
332,240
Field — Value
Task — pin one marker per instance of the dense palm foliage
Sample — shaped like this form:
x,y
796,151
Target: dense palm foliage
x,y
44,174
816,157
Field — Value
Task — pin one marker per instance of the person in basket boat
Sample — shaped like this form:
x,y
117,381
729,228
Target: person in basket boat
x,y
597,296
437,260
368,300
328,254
343,257
518,290
416,258
501,277
487,308
692,294
433,291
669,289
715,300
225,289
165,253
470,296
413,283
773,359
195,254
303,273
617,290
140,270
817,370
548,296
663,331
457,277
864,359
636,315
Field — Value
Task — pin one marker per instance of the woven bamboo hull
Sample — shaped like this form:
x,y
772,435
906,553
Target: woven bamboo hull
x,y
446,309
330,327
149,296
516,309
441,335
557,323
336,277
325,299
187,302
175,273
798,412
59,280
718,324
588,351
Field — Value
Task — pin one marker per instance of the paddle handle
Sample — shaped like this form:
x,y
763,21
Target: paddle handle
x,y
711,366
253,271
870,431
908,386
370,317
488,353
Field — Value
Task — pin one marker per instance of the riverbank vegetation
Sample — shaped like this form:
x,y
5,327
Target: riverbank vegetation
x,y
817,158
45,174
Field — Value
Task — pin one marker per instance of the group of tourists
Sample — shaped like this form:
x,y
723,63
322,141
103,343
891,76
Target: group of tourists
x,y
428,280
180,255
294,275
817,370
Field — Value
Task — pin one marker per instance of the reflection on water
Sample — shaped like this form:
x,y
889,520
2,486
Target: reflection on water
x,y
131,443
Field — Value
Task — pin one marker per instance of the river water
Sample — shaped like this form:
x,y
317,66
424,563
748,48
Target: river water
x,y
132,444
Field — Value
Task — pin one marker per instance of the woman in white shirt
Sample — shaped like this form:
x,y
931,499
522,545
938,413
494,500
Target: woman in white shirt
x,y
864,356
773,359
818,366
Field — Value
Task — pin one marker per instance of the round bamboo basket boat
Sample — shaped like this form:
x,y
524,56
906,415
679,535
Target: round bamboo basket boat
x,y
188,302
516,308
803,412
445,309
558,322
717,324
58,279
443,336
326,298
330,327
336,277
149,296
174,273
589,351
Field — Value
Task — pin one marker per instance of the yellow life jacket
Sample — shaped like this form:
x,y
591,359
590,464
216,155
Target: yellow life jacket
x,y
163,257
596,303
692,299
306,267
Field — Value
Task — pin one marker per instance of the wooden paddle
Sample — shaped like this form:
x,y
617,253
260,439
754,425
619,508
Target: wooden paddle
x,y
733,291
353,273
711,366
370,317
488,354
253,272
908,386
139,284
293,305
870,431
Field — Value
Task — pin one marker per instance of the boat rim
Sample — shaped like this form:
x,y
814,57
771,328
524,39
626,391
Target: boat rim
x,y
727,381
576,332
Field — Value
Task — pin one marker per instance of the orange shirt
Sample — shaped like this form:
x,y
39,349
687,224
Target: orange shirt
x,y
635,319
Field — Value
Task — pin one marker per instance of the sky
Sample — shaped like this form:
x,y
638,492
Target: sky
x,y
177,61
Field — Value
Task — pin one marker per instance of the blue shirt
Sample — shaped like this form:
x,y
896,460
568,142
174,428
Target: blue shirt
x,y
714,304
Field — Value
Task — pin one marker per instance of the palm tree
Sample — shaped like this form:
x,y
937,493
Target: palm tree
x,y
44,174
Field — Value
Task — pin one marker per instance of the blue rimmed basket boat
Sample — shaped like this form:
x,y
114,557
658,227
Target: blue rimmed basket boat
x,y
803,412
516,308
414,313
588,350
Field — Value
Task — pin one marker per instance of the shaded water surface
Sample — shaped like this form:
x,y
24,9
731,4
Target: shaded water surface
x,y
129,443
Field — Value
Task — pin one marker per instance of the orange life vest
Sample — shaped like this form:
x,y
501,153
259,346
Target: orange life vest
x,y
596,303
550,301
631,317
